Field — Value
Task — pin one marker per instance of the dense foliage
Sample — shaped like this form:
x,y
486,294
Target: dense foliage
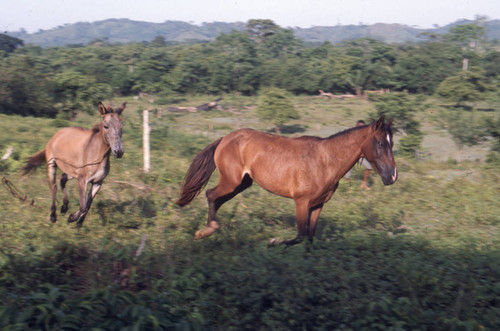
x,y
402,109
34,79
420,254
274,105
373,283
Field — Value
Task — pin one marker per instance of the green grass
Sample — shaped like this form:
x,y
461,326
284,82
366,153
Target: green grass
x,y
420,254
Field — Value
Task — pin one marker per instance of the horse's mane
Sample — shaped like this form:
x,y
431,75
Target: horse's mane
x,y
338,134
345,132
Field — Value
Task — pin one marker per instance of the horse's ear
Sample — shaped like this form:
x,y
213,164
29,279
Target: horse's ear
x,y
389,122
120,110
102,109
380,122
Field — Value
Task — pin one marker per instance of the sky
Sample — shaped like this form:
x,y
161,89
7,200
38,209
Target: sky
x,y
33,15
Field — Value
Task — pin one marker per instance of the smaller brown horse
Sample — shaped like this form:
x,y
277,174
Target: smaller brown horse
x,y
82,154
305,169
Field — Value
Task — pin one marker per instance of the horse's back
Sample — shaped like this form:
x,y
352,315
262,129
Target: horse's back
x,y
68,144
276,163
247,135
68,138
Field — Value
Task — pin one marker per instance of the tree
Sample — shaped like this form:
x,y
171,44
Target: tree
x,y
493,129
78,92
260,29
467,37
467,128
280,43
421,67
159,41
8,43
402,109
491,64
466,86
274,105
238,62
357,80
150,69
23,89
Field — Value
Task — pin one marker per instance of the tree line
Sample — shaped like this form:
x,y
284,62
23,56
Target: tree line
x,y
61,80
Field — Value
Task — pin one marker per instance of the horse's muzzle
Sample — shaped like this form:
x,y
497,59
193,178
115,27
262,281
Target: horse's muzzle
x,y
391,177
118,153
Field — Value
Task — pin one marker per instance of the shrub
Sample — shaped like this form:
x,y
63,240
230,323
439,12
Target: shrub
x,y
274,105
402,108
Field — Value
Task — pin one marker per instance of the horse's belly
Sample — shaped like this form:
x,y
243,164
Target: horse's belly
x,y
282,184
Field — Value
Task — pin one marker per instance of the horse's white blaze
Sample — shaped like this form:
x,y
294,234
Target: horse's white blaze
x,y
389,139
395,174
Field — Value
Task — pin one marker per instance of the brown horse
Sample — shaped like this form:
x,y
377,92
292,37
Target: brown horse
x,y
306,169
83,154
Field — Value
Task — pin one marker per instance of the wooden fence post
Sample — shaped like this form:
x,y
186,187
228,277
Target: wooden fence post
x,y
145,140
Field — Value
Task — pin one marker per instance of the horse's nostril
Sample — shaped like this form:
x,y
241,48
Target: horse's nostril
x,y
394,175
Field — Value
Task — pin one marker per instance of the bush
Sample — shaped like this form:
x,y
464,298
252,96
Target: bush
x,y
274,105
402,108
360,282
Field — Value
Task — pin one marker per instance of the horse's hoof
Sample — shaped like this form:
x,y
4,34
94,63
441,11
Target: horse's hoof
x,y
64,208
273,242
53,219
207,231
204,233
71,219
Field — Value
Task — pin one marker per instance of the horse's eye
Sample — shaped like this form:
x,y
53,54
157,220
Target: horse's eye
x,y
380,143
106,127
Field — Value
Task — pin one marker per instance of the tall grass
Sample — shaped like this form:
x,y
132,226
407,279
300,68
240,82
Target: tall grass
x,y
420,254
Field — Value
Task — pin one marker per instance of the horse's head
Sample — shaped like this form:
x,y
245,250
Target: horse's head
x,y
111,127
378,150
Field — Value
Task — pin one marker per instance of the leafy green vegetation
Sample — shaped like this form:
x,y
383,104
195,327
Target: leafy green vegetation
x,y
58,80
420,254
274,105
402,108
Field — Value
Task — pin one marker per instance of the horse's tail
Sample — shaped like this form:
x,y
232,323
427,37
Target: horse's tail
x,y
33,162
198,174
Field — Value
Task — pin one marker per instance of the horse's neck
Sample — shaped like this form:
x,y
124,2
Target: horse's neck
x,y
345,149
98,149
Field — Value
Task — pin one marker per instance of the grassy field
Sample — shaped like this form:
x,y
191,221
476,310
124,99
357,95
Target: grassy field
x,y
420,254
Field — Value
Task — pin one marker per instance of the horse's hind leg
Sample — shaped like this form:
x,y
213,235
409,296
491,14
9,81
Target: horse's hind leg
x,y
227,188
313,222
64,207
51,168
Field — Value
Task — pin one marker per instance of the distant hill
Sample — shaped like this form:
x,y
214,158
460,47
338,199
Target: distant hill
x,y
334,34
126,31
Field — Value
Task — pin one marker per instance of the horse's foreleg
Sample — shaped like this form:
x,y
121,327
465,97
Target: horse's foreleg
x,y
82,189
217,196
51,168
303,213
92,193
64,207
